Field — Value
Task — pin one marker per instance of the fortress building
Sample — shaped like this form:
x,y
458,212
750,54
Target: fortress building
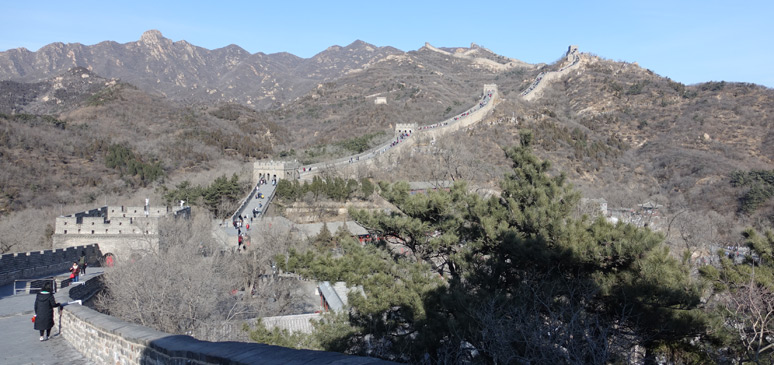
x,y
119,231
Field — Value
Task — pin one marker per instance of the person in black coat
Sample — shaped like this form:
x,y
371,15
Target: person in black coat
x,y
44,311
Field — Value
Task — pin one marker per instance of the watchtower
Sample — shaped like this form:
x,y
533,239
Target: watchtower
x,y
405,128
571,51
275,170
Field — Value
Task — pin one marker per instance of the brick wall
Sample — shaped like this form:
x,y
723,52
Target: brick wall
x,y
29,265
108,340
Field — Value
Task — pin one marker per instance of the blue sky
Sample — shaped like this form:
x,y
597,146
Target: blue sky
x,y
688,41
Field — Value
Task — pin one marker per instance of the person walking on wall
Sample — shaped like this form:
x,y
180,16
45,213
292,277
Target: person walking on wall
x,y
74,272
44,311
82,263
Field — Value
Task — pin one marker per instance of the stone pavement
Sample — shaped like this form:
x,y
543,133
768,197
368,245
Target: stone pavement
x,y
20,343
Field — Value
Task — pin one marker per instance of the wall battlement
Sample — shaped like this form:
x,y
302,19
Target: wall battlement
x,y
98,226
27,265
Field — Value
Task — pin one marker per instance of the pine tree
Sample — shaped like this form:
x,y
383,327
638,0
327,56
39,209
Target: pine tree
x,y
453,267
744,298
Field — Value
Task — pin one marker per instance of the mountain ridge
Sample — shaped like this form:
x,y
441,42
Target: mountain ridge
x,y
183,71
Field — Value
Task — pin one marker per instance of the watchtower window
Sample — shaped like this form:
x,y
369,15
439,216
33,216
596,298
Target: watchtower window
x,y
65,231
65,223
92,223
92,231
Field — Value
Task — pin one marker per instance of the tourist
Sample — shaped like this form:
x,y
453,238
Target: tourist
x,y
44,311
82,262
74,272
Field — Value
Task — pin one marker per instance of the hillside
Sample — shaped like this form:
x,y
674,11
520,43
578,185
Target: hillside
x,y
57,135
629,136
619,131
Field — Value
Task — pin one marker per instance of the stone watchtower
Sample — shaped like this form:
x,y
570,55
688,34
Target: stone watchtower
x,y
571,51
405,128
271,170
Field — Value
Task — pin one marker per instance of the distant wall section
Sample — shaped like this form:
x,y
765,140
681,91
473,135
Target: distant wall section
x,y
28,265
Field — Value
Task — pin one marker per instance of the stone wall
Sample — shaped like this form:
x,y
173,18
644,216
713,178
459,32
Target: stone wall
x,y
384,154
28,265
108,340
535,91
121,246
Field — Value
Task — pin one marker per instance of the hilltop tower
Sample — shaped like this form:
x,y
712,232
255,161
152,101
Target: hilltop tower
x,y
571,51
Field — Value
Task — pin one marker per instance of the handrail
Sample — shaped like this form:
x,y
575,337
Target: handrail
x,y
28,287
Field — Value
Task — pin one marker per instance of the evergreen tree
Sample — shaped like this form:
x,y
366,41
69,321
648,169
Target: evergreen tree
x,y
744,294
453,267
324,240
366,188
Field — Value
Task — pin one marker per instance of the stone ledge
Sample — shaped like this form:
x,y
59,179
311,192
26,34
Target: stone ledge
x,y
105,339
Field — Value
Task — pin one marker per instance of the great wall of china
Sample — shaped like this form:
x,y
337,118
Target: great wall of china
x,y
117,229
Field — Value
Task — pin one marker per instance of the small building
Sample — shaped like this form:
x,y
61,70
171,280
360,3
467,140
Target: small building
x,y
333,297
380,100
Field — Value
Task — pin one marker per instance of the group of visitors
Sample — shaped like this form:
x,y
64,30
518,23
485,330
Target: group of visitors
x,y
534,84
262,181
436,125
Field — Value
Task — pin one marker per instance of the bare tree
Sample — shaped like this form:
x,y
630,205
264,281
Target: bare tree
x,y
190,282
750,312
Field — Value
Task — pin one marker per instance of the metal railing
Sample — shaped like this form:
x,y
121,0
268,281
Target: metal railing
x,y
31,285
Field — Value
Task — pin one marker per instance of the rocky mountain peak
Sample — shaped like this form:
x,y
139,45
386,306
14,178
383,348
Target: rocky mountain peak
x,y
152,36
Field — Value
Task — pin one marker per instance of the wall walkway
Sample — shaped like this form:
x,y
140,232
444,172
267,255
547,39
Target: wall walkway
x,y
535,89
